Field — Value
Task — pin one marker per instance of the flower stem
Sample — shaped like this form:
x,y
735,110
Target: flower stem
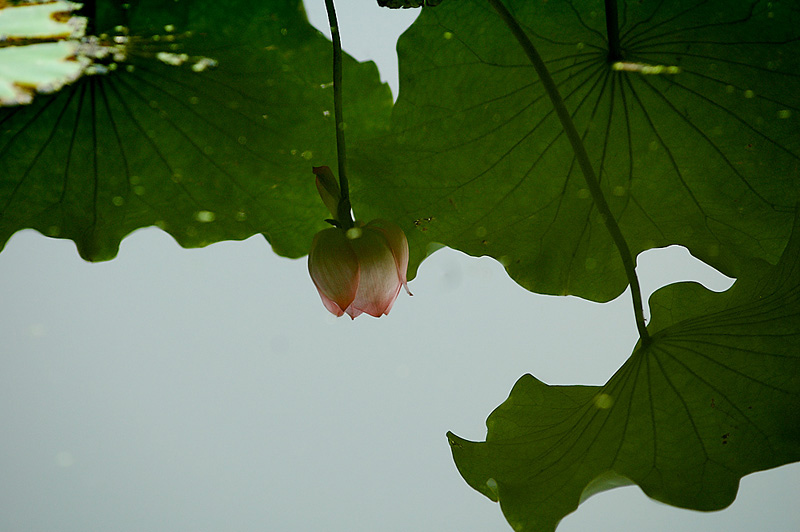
x,y
343,213
89,10
583,161
612,30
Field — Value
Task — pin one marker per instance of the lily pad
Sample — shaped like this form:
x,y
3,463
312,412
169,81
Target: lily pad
x,y
713,397
693,133
205,119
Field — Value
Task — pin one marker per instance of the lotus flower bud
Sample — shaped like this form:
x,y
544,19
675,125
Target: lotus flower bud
x,y
328,188
360,269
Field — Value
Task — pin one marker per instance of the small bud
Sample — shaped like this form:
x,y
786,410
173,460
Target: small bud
x,y
328,188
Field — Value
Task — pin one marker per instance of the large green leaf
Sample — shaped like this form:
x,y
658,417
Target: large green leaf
x,y
705,154
715,396
208,154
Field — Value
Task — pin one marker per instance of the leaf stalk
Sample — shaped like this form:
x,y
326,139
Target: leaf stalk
x,y
344,207
583,161
612,31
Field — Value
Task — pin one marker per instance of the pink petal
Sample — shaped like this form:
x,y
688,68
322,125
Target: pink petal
x,y
353,312
378,283
393,300
334,269
398,245
332,306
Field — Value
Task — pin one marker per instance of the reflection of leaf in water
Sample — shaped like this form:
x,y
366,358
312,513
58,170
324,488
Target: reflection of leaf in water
x,y
703,152
208,129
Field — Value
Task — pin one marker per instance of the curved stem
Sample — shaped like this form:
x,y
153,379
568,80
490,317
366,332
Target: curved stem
x,y
89,10
343,213
612,30
583,161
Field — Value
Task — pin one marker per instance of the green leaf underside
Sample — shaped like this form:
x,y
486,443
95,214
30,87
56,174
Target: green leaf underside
x,y
714,397
220,154
708,158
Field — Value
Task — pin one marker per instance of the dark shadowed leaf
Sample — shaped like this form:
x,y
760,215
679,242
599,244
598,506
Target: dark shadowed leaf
x,y
205,152
695,136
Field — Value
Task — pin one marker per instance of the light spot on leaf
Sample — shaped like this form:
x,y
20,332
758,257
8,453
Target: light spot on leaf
x,y
492,485
204,63
205,216
172,59
603,401
644,68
